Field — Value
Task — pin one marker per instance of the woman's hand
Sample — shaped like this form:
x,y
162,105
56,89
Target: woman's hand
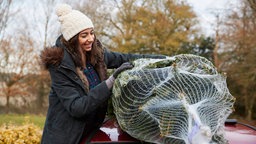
x,y
125,66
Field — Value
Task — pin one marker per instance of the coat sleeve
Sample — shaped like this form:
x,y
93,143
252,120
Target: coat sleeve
x,y
115,59
71,96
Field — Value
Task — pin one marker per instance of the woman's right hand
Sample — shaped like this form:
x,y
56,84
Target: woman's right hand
x,y
123,67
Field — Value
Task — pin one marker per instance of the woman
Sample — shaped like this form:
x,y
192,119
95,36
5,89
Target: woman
x,y
80,88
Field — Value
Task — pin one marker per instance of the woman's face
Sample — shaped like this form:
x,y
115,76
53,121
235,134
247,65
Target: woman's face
x,y
85,39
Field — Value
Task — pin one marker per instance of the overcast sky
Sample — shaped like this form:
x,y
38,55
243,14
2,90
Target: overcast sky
x,y
206,10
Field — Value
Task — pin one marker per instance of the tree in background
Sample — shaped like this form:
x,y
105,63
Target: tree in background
x,y
4,15
40,81
16,62
238,55
160,27
202,46
252,4
18,53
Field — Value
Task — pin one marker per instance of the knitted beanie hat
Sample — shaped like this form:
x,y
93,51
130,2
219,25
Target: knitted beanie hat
x,y
72,21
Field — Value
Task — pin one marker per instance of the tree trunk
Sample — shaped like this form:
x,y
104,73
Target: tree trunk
x,y
40,96
249,114
8,101
249,106
215,51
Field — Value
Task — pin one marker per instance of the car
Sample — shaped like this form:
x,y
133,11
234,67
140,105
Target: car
x,y
110,132
239,133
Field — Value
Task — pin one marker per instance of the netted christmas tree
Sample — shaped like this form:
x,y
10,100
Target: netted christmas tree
x,y
177,100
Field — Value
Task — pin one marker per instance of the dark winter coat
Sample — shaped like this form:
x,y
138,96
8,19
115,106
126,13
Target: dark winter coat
x,y
73,109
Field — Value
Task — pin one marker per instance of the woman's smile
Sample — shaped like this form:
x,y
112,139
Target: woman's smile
x,y
86,38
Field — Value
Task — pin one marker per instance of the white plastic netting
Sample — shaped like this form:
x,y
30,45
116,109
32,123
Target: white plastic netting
x,y
177,100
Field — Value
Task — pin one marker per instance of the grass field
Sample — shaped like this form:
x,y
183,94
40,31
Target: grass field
x,y
18,120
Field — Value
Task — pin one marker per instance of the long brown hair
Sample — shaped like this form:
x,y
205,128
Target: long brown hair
x,y
95,56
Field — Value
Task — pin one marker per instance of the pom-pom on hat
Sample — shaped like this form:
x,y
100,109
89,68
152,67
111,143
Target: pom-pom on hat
x,y
72,21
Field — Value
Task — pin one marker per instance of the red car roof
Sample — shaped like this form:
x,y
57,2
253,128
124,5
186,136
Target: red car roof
x,y
110,132
238,133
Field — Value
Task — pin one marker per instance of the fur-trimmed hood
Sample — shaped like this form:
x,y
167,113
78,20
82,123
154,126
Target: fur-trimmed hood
x,y
51,56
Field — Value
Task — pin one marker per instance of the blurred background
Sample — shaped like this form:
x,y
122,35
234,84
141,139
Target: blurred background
x,y
225,35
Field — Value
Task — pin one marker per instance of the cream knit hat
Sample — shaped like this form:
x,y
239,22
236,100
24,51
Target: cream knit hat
x,y
72,21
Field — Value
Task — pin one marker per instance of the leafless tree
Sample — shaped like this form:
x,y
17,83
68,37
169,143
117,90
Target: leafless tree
x,y
4,16
17,62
